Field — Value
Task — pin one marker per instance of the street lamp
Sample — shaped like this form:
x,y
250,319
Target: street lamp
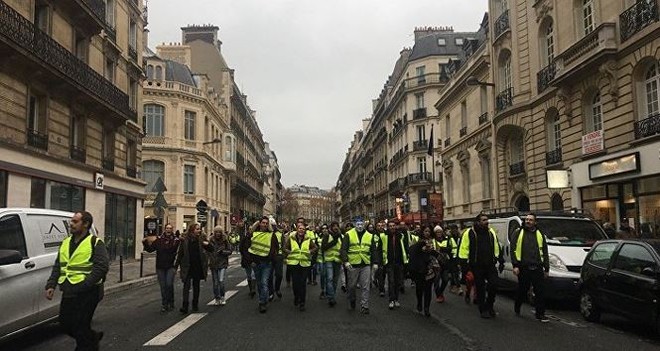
x,y
473,81
214,141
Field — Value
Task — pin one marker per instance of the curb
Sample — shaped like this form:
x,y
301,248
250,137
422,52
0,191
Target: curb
x,y
130,284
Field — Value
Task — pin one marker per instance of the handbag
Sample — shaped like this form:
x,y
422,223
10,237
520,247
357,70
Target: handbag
x,y
433,268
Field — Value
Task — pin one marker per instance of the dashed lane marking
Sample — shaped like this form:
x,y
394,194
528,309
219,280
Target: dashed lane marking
x,y
243,283
228,296
165,337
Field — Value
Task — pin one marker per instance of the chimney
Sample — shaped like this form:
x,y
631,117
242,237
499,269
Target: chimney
x,y
145,38
206,33
421,32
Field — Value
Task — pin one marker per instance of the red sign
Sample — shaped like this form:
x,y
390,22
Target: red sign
x,y
398,212
592,142
436,202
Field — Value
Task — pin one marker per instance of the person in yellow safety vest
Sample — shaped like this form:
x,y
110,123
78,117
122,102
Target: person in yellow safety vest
x,y
447,249
360,253
479,253
80,268
263,249
299,249
395,256
531,264
330,246
275,279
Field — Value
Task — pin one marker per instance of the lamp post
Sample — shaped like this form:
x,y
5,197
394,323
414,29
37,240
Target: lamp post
x,y
473,81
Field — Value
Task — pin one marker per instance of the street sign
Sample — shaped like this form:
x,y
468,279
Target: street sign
x,y
159,186
201,218
151,225
201,206
159,201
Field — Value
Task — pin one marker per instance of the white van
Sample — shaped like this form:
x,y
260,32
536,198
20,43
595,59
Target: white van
x,y
569,236
29,242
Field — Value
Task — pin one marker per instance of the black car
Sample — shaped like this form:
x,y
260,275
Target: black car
x,y
622,277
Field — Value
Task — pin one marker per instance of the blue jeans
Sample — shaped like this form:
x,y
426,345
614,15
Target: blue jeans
x,y
262,272
218,276
320,268
331,271
166,282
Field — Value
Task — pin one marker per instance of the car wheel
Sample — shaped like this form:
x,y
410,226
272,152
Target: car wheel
x,y
588,307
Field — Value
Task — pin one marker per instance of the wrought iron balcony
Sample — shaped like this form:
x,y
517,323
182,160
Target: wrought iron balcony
x,y
132,53
45,52
397,185
447,142
78,154
420,145
517,168
419,113
637,17
502,24
131,171
647,127
463,131
483,118
504,99
37,139
553,157
111,32
108,164
545,76
88,14
419,178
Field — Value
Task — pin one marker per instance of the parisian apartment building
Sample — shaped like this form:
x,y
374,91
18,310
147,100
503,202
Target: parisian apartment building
x,y
70,136
316,205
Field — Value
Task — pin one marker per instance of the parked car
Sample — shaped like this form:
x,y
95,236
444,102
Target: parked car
x,y
622,277
29,241
569,236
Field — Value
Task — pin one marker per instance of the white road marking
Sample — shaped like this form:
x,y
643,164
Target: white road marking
x,y
165,337
228,296
243,283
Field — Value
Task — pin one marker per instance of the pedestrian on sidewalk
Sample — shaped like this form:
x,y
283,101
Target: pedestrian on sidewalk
x,y
299,250
531,265
275,279
262,251
330,245
218,262
244,245
360,253
423,268
192,258
479,253
165,246
445,246
395,255
80,268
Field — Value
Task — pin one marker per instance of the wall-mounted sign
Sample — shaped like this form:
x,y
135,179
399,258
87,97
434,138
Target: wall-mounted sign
x,y
98,181
592,142
615,166
558,179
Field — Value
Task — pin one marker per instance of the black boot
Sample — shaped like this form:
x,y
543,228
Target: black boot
x,y
251,284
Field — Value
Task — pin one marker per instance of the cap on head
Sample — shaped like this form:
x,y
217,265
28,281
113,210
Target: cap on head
x,y
437,229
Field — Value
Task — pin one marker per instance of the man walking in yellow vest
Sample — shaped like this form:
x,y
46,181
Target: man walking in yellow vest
x,y
79,270
262,251
359,251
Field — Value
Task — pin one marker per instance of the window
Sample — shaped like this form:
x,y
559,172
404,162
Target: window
x,y
554,131
131,154
189,124
651,90
483,98
159,73
549,42
595,114
421,132
601,254
419,100
151,171
109,69
505,71
150,72
421,166
11,234
463,114
189,180
230,154
81,45
108,145
154,120
132,94
110,13
419,71
449,182
78,131
459,41
42,16
447,127
588,16
634,258
465,172
37,112
441,42
516,152
486,184
132,34
503,6
57,196
119,225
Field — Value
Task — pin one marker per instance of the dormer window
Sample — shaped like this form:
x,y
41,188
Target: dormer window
x,y
441,42
459,41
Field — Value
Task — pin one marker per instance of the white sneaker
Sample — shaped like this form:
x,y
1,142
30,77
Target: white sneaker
x,y
216,302
397,304
391,306
223,301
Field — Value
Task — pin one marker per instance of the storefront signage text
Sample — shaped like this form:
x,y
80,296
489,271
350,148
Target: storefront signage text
x,y
615,166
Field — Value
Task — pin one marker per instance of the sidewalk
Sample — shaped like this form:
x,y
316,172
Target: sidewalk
x,y
130,277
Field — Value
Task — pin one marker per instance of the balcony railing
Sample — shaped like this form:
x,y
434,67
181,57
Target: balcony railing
x,y
447,142
502,23
590,47
132,53
131,171
397,185
504,99
517,168
483,118
462,132
637,17
78,154
37,139
419,178
553,157
98,8
420,145
647,127
19,31
429,78
419,113
111,32
108,164
545,76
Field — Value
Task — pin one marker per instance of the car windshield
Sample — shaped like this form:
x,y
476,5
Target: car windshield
x,y
570,232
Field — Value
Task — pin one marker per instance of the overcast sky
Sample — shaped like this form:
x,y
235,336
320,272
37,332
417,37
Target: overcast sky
x,y
311,68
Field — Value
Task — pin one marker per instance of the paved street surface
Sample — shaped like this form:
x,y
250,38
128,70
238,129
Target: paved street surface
x,y
131,321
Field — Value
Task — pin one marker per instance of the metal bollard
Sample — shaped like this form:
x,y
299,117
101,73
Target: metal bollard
x,y
121,268
141,263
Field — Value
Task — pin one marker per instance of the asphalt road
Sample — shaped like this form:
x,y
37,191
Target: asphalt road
x,y
131,319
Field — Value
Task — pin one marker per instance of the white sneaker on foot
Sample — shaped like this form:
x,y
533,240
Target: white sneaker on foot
x,y
397,304
391,306
216,302
223,301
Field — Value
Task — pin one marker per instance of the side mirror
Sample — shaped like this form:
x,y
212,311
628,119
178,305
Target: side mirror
x,y
651,272
8,257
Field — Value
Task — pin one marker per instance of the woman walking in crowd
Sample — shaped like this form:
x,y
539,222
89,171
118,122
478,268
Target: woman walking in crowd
x,y
165,246
299,250
191,257
445,246
218,262
423,268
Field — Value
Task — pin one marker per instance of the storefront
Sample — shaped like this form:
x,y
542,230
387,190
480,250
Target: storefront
x,y
622,189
